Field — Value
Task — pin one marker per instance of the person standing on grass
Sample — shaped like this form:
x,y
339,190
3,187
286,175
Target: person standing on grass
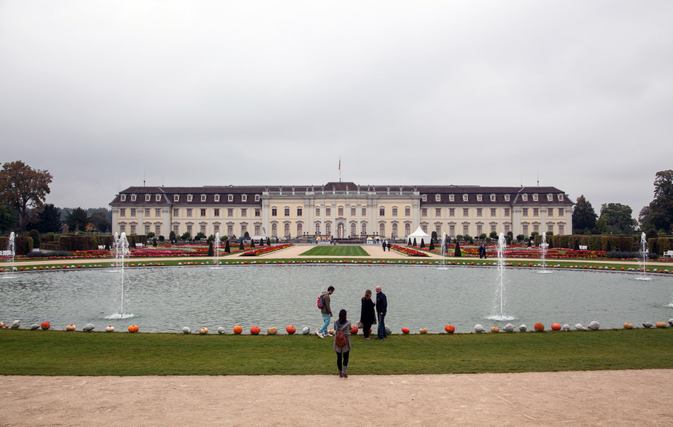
x,y
367,313
326,312
381,309
342,351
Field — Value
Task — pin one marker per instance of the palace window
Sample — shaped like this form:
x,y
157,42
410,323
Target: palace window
x,y
550,197
506,211
407,229
479,212
507,197
466,229
438,229
122,197
560,197
353,228
340,211
452,212
317,211
176,229
524,197
328,229
424,197
147,212
244,228
364,228
536,228
216,212
133,212
157,212
203,197
244,212
317,228
176,197
424,212
424,227
189,197
550,227
394,210
452,198
157,229
382,230
122,228
561,227
550,211
535,197
452,230
203,212
507,230
394,233
438,197
536,212
133,229
465,197
479,198
560,212
216,228
230,230
244,197
287,230
300,229
148,198
257,230
438,211
274,230
258,212
189,212
353,213
524,212
230,197
274,212
203,228
382,211
216,198
525,230
257,197
466,211
493,197
479,230
494,212
230,212
407,211
176,212
300,212
492,228
364,211
122,212
328,211
133,197
286,211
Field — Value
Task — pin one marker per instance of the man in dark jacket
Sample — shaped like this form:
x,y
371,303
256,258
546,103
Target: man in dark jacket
x,y
381,309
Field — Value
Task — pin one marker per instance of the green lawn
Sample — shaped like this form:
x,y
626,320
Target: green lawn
x,y
26,352
336,251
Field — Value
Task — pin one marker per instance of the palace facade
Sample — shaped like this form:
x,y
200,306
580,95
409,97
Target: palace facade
x,y
342,210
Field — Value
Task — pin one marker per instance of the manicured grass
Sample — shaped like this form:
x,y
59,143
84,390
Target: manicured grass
x,y
336,251
26,352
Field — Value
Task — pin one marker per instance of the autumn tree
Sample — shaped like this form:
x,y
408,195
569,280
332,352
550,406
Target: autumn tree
x,y
584,216
23,188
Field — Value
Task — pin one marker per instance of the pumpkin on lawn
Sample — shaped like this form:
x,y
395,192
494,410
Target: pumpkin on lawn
x,y
354,330
405,330
628,325
495,329
555,327
110,328
45,326
255,330
70,327
539,327
660,324
203,331
290,329
450,329
272,331
423,330
238,330
134,328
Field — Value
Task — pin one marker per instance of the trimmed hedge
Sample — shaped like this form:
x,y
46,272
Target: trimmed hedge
x,y
661,244
87,243
22,244
622,243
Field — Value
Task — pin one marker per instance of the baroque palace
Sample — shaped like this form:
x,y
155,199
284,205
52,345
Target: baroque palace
x,y
342,210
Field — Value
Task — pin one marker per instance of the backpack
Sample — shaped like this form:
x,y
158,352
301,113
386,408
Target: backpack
x,y
340,339
321,302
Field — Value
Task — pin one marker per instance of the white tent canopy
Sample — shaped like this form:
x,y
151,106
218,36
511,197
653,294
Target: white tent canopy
x,y
418,235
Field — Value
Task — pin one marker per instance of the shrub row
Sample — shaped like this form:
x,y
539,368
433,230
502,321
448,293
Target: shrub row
x,y
22,244
622,243
87,243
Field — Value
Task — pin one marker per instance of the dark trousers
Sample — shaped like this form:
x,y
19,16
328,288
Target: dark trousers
x,y
366,328
345,362
382,326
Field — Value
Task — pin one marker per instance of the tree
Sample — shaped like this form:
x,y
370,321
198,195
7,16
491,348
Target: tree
x,y
9,219
422,243
616,219
99,220
49,219
24,188
76,219
211,251
659,213
227,248
35,235
432,245
457,251
493,235
584,216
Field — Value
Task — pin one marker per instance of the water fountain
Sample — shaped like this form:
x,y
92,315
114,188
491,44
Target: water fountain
x,y
499,301
216,247
643,255
544,245
11,248
443,267
121,253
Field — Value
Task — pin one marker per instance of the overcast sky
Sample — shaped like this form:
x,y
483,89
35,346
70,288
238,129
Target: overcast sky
x,y
192,93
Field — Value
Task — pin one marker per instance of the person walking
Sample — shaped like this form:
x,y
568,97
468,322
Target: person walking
x,y
384,246
381,309
367,313
389,245
326,312
342,351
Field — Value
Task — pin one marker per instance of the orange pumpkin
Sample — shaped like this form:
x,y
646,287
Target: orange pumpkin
x,y
555,327
255,330
330,331
628,325
405,330
495,329
238,330
203,331
291,330
423,330
70,327
449,329
134,328
354,330
539,327
660,324
45,326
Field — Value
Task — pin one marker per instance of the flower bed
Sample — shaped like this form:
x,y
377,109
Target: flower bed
x,y
267,249
407,251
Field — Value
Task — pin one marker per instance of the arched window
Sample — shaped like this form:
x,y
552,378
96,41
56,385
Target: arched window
x,y
300,229
328,229
340,211
382,230
424,227
407,211
382,211
287,230
407,229
353,229
394,210
364,228
394,233
274,230
317,229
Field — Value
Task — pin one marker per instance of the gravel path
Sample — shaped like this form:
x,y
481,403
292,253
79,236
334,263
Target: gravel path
x,y
596,398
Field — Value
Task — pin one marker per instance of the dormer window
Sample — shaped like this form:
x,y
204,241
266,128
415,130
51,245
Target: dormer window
x,y
479,197
244,197
230,198
257,197
189,197
217,198
123,198
203,197
465,197
424,197
148,197
452,198
560,197
133,197
493,197
176,197
524,197
507,197
438,197
535,197
550,197
158,197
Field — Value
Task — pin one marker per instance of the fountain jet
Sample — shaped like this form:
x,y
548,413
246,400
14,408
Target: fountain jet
x,y
499,301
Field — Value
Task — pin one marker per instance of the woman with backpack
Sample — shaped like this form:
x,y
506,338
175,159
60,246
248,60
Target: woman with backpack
x,y
367,313
342,342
